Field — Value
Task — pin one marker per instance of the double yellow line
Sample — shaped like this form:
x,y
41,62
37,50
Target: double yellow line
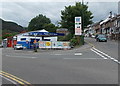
x,y
14,78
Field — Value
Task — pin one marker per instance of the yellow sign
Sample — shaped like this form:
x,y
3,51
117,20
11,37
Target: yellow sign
x,y
48,43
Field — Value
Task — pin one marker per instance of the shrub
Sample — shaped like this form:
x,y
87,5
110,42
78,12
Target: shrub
x,y
73,42
65,38
77,41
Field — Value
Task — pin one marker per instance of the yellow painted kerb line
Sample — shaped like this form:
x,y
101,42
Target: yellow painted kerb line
x,y
10,76
90,44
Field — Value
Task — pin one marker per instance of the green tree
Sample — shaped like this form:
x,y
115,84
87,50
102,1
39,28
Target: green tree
x,y
50,27
68,16
38,22
9,35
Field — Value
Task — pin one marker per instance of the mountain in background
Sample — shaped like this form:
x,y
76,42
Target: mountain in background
x,y
10,27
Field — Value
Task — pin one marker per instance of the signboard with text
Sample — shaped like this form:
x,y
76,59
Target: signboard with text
x,y
55,44
78,27
48,44
42,44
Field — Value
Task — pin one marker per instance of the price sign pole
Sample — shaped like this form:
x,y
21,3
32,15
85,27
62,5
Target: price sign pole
x,y
78,28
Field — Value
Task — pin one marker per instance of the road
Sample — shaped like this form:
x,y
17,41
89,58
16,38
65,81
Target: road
x,y
84,65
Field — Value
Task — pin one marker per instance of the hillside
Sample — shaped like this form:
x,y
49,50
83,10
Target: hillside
x,y
10,27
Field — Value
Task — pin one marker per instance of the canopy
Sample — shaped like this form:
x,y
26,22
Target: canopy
x,y
44,34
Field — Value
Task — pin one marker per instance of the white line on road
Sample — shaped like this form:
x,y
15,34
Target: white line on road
x,y
107,55
56,54
82,58
102,52
8,80
99,54
61,54
78,54
20,56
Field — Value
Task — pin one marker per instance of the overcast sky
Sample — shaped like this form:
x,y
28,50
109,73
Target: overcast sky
x,y
23,12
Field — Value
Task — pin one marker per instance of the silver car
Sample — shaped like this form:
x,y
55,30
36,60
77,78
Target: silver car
x,y
18,46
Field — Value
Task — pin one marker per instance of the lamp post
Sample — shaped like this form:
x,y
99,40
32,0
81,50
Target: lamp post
x,y
35,48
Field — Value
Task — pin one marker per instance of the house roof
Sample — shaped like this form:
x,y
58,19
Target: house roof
x,y
104,21
62,29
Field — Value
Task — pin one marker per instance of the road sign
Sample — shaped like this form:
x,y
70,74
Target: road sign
x,y
78,26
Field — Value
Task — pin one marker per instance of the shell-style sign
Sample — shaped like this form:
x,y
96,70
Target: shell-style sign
x,y
48,43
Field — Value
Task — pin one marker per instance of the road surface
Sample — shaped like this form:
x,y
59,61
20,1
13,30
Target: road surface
x,y
84,65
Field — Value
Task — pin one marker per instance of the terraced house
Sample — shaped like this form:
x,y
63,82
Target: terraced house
x,y
110,27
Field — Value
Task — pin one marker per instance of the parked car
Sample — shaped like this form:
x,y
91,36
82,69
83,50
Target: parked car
x,y
18,46
1,45
101,37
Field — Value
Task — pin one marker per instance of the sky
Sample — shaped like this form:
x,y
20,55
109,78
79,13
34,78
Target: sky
x,y
23,12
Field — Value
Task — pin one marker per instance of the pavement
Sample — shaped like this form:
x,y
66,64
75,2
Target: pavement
x,y
83,65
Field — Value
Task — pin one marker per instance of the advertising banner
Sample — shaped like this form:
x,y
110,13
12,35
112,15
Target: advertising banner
x,y
59,45
42,44
48,44
66,44
54,44
78,27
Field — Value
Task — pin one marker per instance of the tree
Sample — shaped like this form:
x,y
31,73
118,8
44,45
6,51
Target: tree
x,y
50,27
68,16
9,35
38,22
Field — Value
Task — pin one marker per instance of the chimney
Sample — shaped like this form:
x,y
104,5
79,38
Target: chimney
x,y
110,16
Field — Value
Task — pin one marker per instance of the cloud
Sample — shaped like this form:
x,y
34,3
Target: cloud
x,y
58,0
23,12
101,10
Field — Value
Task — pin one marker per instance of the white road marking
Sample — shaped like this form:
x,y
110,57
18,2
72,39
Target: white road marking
x,y
78,54
107,55
60,54
8,79
20,56
83,58
56,54
98,54
102,52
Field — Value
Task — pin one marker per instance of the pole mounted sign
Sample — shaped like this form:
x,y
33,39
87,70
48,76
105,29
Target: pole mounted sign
x,y
78,30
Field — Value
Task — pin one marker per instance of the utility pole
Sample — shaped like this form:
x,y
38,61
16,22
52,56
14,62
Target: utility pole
x,y
82,36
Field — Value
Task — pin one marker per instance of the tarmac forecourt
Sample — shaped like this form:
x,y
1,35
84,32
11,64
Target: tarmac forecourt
x,y
13,78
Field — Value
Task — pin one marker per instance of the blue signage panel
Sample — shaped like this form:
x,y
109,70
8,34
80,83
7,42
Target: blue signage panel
x,y
46,34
